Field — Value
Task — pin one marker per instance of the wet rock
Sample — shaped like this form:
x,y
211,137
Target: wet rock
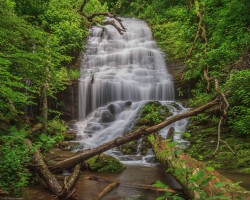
x,y
106,116
128,103
113,108
170,133
63,144
70,135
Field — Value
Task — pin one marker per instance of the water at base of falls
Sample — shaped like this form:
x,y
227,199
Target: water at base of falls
x,y
119,74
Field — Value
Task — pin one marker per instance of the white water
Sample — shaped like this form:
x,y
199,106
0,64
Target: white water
x,y
119,74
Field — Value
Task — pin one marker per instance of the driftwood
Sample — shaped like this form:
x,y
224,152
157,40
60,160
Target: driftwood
x,y
133,185
129,137
194,176
107,189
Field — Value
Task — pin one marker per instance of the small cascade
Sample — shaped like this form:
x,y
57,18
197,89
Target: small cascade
x,y
119,74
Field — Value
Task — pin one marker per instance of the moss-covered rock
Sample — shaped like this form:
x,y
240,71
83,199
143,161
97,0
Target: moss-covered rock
x,y
105,163
150,114
129,148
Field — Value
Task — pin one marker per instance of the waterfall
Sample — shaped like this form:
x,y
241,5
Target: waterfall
x,y
122,67
119,74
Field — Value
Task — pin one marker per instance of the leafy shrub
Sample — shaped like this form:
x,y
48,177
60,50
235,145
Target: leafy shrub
x,y
15,158
239,89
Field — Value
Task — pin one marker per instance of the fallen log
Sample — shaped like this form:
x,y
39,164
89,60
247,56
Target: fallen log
x,y
107,189
133,185
50,180
198,180
129,137
43,170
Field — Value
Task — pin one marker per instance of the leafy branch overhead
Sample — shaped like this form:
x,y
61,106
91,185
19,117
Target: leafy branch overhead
x,y
111,18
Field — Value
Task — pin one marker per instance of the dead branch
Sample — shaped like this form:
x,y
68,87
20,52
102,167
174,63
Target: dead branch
x,y
120,28
107,189
69,182
129,137
112,23
133,185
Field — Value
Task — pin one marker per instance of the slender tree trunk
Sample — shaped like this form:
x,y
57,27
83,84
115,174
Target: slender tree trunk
x,y
198,181
129,137
45,105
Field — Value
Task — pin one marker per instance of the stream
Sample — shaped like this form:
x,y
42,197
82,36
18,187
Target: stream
x,y
119,74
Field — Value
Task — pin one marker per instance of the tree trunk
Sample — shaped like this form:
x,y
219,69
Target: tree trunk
x,y
45,106
198,181
129,137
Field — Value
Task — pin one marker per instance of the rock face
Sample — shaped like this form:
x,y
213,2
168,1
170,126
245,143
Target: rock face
x,y
182,87
107,116
69,102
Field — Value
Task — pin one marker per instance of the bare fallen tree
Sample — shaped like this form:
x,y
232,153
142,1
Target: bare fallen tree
x,y
41,168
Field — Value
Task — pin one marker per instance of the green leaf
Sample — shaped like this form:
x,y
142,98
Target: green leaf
x,y
210,169
219,184
160,184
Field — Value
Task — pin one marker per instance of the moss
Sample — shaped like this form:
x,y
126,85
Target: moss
x,y
144,122
129,148
105,163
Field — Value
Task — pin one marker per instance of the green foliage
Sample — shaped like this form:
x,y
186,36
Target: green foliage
x,y
55,134
167,195
239,88
15,158
153,113
105,163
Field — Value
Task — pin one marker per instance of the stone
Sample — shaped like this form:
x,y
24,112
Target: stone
x,y
106,116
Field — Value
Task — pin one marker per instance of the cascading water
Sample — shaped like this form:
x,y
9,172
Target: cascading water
x,y
119,74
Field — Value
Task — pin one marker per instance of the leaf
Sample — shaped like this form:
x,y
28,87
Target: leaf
x,y
219,184
210,169
160,184
43,137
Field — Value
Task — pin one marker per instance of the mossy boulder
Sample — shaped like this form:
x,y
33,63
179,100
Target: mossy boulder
x,y
105,163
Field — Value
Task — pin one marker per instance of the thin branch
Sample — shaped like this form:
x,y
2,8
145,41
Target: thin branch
x,y
219,135
112,23
83,5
